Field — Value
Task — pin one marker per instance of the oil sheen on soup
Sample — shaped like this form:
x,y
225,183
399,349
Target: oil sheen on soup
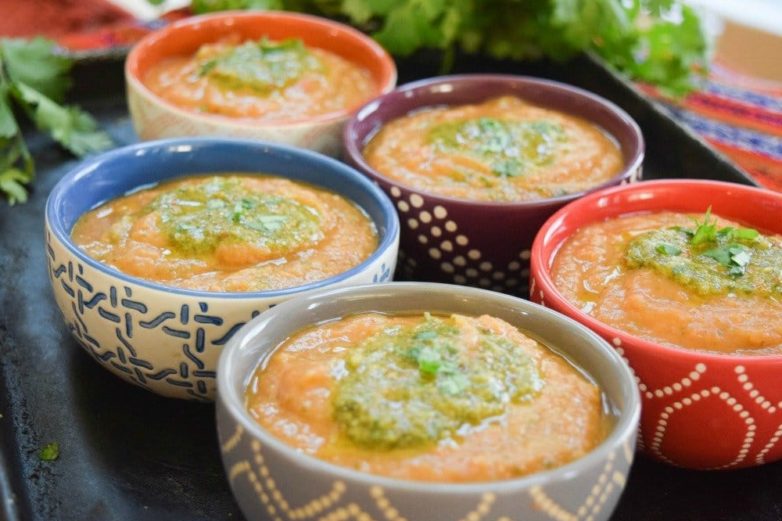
x,y
263,80
685,280
229,232
427,397
501,150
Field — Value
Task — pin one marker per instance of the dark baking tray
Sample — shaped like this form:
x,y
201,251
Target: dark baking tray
x,y
129,455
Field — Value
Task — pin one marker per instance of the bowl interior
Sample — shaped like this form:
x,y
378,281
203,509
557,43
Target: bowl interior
x,y
127,169
257,340
465,89
185,37
750,206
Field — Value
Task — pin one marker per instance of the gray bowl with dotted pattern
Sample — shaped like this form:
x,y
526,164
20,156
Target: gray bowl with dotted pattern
x,y
272,480
480,243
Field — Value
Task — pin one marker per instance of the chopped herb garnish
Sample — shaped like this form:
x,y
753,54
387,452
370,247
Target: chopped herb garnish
x,y
49,452
421,384
668,249
508,148
263,65
198,218
706,231
710,259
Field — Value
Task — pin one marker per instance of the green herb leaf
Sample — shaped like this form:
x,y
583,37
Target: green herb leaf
x,y
705,231
721,255
12,183
36,63
429,360
657,41
49,452
668,249
35,77
68,125
746,234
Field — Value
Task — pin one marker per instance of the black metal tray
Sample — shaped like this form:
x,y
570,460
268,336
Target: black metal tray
x,y
129,455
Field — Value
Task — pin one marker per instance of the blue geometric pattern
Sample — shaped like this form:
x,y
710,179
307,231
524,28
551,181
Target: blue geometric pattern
x,y
126,314
383,275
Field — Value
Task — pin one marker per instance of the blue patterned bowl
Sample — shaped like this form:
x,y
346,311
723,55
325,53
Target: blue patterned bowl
x,y
272,480
168,339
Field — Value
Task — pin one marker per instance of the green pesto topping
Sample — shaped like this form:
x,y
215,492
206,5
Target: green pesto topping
x,y
411,386
509,148
263,66
711,260
220,210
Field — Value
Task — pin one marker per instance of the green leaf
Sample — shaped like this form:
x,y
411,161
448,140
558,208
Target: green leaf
x,y
740,258
12,183
721,255
706,230
8,126
746,234
208,6
429,360
49,452
36,64
68,125
668,249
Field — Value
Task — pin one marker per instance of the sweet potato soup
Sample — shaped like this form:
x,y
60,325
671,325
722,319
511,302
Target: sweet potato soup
x,y
261,80
692,281
504,150
431,398
229,233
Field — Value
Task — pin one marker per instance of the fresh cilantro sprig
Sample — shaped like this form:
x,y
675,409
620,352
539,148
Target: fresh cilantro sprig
x,y
726,245
33,80
727,249
657,41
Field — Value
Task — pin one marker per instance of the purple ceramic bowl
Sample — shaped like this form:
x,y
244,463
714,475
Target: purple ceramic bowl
x,y
480,243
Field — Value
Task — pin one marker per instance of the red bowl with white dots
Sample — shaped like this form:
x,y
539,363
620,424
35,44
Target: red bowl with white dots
x,y
700,409
480,243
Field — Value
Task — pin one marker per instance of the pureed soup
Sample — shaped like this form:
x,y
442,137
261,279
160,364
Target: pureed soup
x,y
229,232
682,280
427,397
263,80
502,150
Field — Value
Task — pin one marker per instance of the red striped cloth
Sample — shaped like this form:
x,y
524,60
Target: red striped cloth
x,y
740,116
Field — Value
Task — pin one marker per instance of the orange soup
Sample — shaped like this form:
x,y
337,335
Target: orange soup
x,y
690,281
430,398
230,232
503,150
261,80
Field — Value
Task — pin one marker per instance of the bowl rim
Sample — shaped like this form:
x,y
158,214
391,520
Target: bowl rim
x,y
541,270
72,179
317,23
356,155
625,428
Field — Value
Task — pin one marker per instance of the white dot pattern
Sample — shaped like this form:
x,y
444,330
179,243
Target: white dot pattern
x,y
451,249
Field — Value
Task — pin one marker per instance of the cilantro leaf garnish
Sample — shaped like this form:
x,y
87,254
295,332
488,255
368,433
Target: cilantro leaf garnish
x,y
668,249
731,255
34,78
49,452
711,259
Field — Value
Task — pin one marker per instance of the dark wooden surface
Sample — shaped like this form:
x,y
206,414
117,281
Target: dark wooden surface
x,y
129,455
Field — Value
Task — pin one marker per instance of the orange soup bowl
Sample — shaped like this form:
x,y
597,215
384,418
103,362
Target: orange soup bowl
x,y
701,410
469,241
154,117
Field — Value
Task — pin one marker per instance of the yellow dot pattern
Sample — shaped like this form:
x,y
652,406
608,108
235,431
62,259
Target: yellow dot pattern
x,y
598,496
326,507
